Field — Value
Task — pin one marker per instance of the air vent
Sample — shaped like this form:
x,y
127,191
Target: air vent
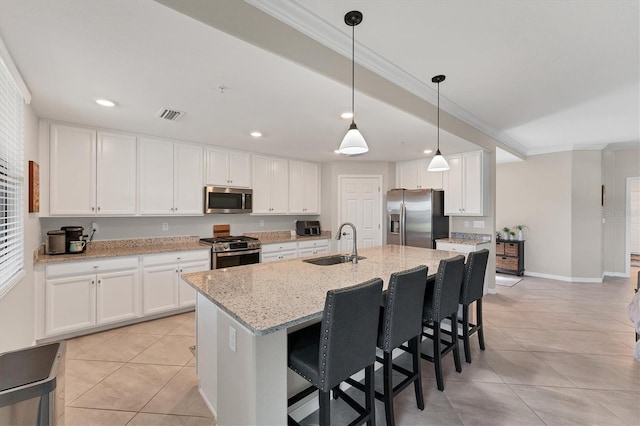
x,y
170,114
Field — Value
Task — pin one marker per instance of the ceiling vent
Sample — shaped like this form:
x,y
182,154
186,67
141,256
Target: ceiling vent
x,y
170,114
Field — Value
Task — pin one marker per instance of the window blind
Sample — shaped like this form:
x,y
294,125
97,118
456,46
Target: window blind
x,y
11,181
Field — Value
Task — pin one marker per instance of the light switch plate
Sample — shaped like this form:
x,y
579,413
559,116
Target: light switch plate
x,y
478,223
232,339
165,226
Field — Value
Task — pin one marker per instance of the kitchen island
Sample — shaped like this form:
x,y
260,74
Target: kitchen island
x,y
244,314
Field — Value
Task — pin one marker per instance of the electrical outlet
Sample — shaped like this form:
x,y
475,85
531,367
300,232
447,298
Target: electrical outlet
x,y
478,223
165,226
94,227
466,223
261,223
232,339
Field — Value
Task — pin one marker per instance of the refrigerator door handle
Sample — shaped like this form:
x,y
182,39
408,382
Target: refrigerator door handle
x,y
403,225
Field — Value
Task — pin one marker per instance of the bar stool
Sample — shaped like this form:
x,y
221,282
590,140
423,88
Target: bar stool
x,y
329,352
442,303
472,291
401,321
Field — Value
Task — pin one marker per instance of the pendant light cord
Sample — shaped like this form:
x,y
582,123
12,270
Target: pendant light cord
x,y
353,73
438,149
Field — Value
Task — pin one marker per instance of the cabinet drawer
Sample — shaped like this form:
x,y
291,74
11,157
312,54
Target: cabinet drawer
x,y
511,249
510,263
313,244
271,248
92,267
175,257
499,249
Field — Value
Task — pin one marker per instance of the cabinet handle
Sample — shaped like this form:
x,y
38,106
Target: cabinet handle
x,y
93,282
176,271
98,208
181,270
93,209
95,266
99,281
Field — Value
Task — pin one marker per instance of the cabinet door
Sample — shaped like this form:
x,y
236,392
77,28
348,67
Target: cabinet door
x,y
407,175
270,257
117,297
279,186
70,304
311,188
188,174
453,194
187,294
72,175
159,289
239,169
429,179
261,184
297,186
472,184
155,169
217,173
116,174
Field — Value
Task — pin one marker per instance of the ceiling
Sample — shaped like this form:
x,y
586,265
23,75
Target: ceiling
x,y
531,77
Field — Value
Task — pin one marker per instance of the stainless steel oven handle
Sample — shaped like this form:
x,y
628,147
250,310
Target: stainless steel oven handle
x,y
236,253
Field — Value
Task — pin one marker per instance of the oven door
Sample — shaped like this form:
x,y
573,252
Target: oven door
x,y
235,258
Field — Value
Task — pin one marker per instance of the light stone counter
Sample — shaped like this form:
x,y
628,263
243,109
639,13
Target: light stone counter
x,y
462,241
268,297
275,237
114,248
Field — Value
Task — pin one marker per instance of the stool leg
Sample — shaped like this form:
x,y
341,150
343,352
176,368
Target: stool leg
x,y
454,336
324,398
370,396
437,356
388,389
414,345
480,326
465,333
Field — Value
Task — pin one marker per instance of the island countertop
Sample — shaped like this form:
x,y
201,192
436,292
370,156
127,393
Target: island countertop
x,y
267,297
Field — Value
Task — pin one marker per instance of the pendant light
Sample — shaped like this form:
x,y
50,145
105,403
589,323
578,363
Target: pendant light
x,y
438,163
353,142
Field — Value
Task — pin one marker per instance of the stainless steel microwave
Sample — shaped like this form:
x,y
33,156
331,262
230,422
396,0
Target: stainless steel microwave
x,y
227,200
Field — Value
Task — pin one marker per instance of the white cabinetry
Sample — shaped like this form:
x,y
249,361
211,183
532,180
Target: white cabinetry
x,y
312,247
162,288
80,295
304,188
270,185
170,178
461,248
465,184
279,251
228,168
91,173
414,175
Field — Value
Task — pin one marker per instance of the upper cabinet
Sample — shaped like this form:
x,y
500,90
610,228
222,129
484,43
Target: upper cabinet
x,y
270,185
304,188
170,177
91,173
228,168
413,174
466,184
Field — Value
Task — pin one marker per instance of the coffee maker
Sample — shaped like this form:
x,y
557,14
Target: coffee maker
x,y
74,233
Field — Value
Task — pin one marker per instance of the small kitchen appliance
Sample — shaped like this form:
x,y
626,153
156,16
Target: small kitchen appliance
x,y
307,227
55,242
227,200
233,251
74,233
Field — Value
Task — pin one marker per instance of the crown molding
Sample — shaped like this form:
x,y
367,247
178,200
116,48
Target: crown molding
x,y
564,148
295,15
5,58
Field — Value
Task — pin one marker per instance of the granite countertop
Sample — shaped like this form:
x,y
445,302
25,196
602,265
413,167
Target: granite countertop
x,y
267,297
462,241
275,237
132,247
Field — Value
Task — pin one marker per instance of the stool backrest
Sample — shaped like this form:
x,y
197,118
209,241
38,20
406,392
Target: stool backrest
x,y
446,290
349,331
474,272
403,307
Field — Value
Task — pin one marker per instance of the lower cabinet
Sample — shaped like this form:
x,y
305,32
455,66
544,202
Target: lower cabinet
x,y
461,248
313,247
293,250
79,295
162,288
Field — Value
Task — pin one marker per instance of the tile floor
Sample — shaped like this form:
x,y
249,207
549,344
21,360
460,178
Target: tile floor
x,y
556,353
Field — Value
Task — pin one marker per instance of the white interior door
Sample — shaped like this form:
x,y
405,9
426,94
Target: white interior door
x,y
634,213
360,204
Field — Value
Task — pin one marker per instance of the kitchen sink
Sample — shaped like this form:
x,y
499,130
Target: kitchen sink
x,y
332,260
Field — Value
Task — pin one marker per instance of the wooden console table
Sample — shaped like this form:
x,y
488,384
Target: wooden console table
x,y
510,256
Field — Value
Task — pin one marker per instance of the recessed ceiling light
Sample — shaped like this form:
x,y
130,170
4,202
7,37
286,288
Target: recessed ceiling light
x,y
428,151
256,134
347,115
105,102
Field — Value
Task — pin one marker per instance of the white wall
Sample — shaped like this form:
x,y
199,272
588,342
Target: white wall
x,y
16,306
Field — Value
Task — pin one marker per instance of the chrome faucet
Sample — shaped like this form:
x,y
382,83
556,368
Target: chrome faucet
x,y
354,251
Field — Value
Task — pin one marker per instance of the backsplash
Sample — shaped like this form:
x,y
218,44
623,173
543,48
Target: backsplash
x,y
470,236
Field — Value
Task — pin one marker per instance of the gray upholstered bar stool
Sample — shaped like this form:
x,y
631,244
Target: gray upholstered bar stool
x,y
400,322
472,291
439,304
329,352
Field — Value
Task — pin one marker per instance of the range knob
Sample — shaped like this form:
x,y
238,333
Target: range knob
x,y
225,246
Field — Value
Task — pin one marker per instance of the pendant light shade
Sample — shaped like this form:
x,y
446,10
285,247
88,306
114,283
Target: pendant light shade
x,y
353,142
438,163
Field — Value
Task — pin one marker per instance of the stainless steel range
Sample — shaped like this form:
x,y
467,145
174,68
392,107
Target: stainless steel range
x,y
227,252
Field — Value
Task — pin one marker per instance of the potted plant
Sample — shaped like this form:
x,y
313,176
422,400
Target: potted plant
x,y
520,228
512,235
505,232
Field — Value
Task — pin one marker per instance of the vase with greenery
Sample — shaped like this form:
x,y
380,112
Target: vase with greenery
x,y
520,228
505,233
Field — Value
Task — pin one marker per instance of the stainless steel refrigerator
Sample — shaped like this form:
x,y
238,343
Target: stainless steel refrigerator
x,y
415,217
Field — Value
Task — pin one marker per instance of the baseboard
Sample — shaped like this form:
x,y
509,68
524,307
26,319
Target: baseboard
x,y
615,274
206,401
563,278
492,291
